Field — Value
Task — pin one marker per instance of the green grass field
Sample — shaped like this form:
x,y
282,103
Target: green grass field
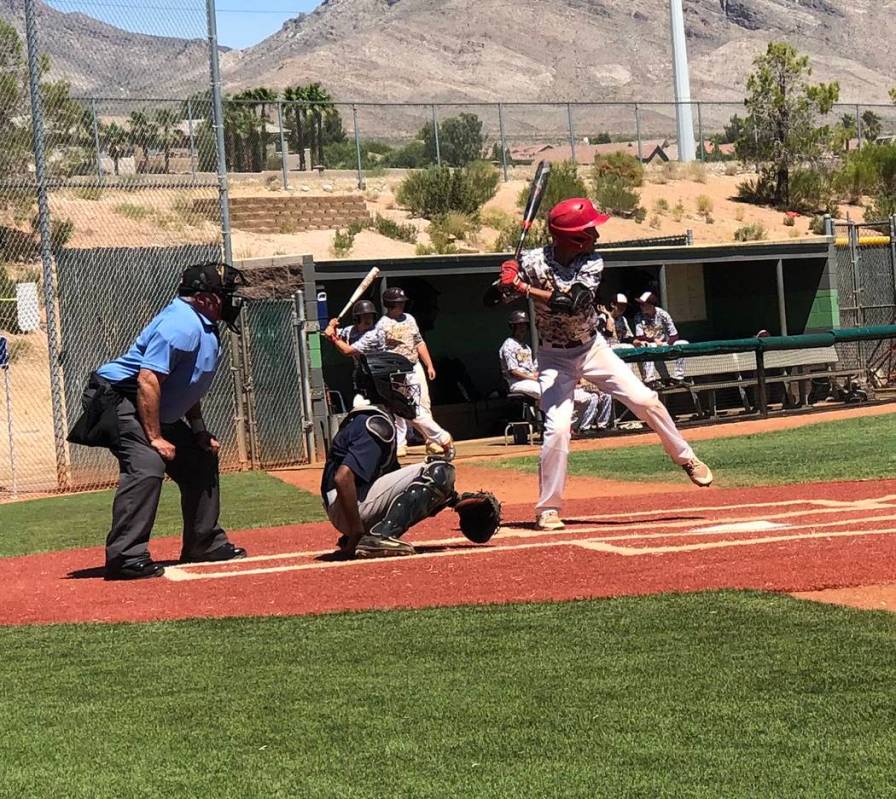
x,y
701,695
251,499
855,449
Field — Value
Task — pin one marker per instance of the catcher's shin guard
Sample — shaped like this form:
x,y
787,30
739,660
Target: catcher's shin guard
x,y
432,491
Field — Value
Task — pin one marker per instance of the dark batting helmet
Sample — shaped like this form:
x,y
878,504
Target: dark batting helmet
x,y
362,307
394,296
518,318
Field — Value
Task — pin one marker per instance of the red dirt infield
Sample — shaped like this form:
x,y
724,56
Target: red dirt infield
x,y
796,539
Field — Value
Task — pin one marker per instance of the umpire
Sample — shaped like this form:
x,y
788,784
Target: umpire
x,y
145,407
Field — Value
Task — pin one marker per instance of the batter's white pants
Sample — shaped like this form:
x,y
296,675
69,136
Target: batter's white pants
x,y
591,408
561,370
424,424
650,368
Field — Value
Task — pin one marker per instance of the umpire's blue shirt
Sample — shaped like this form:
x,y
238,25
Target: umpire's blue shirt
x,y
180,343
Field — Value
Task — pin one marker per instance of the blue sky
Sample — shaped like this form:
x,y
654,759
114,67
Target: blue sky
x,y
240,22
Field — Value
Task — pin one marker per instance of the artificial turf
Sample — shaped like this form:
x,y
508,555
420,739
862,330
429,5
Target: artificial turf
x,y
853,449
249,499
701,695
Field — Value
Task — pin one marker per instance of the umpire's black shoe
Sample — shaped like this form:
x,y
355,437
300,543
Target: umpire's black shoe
x,y
224,552
139,570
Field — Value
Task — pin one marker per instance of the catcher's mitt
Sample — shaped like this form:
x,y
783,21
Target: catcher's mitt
x,y
480,515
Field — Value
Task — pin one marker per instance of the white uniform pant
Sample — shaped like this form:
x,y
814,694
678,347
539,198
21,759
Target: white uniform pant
x,y
561,370
591,408
650,368
429,429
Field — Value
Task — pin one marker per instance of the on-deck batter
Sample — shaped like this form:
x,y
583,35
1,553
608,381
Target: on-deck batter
x,y
562,280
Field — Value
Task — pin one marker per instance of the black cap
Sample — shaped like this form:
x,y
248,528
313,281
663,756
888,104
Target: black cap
x,y
202,277
362,307
394,296
518,318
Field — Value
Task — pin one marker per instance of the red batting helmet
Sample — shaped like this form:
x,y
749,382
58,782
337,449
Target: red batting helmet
x,y
568,221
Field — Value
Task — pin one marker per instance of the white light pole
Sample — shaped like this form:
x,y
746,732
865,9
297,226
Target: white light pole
x,y
687,149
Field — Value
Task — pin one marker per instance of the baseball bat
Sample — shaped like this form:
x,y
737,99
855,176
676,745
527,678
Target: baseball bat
x,y
493,294
362,287
533,203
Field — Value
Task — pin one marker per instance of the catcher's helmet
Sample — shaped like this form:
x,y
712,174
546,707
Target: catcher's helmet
x,y
220,279
517,318
394,296
383,378
362,307
568,220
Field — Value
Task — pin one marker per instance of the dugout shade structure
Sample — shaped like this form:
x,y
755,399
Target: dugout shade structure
x,y
717,292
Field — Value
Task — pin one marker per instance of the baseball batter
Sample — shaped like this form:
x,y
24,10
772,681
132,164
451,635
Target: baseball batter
x,y
520,372
562,280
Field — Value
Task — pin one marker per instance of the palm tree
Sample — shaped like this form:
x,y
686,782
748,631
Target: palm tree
x,y
116,139
263,97
239,132
319,105
166,119
295,95
143,133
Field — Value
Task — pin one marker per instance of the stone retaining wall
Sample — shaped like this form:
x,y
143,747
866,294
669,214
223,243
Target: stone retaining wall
x,y
289,214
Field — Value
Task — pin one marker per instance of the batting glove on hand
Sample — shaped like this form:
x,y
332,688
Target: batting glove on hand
x,y
510,276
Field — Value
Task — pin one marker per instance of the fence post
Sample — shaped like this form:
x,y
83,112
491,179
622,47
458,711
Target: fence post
x,y
96,141
192,140
304,367
572,133
46,251
503,140
358,146
893,260
859,127
284,150
761,387
782,302
435,133
638,131
700,132
828,225
236,367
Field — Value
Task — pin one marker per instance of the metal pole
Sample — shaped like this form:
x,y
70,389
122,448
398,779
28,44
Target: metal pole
x,y
572,134
435,133
893,260
681,76
284,152
761,387
503,140
358,146
12,445
96,141
192,140
782,306
46,250
700,132
638,130
304,366
224,205
663,286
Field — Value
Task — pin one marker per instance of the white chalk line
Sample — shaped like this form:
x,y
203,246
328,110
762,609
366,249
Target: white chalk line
x,y
595,543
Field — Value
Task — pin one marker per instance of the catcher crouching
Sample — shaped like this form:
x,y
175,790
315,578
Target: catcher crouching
x,y
368,497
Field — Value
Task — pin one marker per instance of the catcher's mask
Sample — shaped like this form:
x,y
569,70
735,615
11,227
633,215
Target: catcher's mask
x,y
221,280
385,379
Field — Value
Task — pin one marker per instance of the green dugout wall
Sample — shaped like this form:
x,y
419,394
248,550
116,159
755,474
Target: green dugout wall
x,y
713,292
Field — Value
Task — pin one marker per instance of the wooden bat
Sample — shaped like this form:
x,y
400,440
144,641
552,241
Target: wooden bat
x,y
493,295
372,275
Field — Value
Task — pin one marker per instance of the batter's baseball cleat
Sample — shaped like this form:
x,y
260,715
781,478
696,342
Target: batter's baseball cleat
x,y
549,520
374,546
699,472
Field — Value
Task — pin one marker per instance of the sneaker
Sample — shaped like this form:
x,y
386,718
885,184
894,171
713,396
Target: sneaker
x,y
226,551
549,520
139,570
699,472
374,546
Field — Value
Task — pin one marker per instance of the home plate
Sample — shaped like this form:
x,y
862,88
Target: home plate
x,y
757,526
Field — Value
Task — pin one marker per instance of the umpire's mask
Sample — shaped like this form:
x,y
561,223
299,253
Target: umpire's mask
x,y
385,379
221,279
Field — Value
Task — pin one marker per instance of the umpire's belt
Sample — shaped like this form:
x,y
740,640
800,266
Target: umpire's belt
x,y
571,345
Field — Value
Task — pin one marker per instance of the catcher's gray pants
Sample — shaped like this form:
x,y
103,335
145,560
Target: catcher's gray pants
x,y
141,470
378,499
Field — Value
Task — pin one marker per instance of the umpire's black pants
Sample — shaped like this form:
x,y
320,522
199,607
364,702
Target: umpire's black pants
x,y
141,470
